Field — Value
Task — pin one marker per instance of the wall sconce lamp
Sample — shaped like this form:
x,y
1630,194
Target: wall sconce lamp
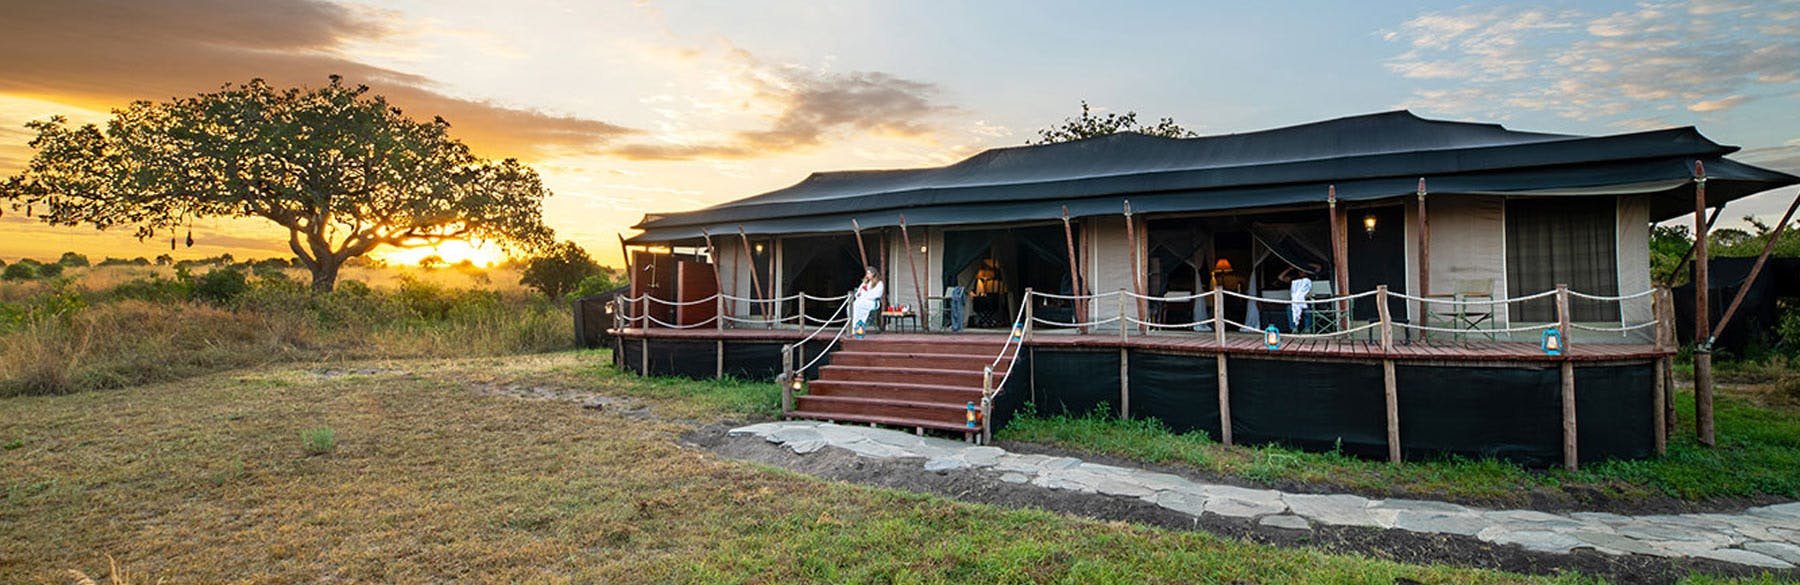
x,y
921,248
1369,225
759,248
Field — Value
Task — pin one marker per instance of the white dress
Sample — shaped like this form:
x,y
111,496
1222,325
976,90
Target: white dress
x,y
868,297
1298,290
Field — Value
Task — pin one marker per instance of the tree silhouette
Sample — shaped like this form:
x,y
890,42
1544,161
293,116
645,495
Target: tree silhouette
x,y
1088,126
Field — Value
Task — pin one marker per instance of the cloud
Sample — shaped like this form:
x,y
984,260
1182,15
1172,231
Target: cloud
x,y
1703,56
103,53
808,107
1721,104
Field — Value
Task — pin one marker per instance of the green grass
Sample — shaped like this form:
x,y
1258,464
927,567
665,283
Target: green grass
x,y
178,481
1758,453
319,441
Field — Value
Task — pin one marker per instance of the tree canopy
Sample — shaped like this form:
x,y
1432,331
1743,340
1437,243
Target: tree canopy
x,y
560,270
342,170
1088,126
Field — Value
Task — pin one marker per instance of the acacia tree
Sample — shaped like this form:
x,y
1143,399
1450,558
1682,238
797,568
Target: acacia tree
x,y
342,170
1088,126
559,270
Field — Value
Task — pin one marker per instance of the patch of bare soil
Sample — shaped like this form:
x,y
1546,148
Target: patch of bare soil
x,y
985,487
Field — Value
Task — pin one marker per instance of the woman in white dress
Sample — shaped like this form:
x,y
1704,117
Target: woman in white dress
x,y
868,297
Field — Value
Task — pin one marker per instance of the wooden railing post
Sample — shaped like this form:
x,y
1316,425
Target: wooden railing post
x,y
1659,434
987,393
787,385
1218,303
802,311
1030,314
1390,383
1571,452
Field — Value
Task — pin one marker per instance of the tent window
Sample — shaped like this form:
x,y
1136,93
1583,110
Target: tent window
x,y
1573,241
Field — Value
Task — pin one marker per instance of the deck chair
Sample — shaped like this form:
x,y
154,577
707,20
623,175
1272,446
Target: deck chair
x,y
1472,319
1322,317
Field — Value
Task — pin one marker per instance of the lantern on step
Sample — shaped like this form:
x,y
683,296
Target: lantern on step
x,y
1018,331
1271,338
973,416
1553,341
859,331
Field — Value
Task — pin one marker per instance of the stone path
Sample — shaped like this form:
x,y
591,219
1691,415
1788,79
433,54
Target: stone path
x,y
1768,536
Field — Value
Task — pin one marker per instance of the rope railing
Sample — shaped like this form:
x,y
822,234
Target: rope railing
x,y
990,390
842,308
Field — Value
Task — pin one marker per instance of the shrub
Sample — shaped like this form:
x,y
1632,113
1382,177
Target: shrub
x,y
155,289
49,270
318,441
557,272
220,286
73,260
604,282
18,271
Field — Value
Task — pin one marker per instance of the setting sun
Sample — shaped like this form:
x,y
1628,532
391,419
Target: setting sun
x,y
482,254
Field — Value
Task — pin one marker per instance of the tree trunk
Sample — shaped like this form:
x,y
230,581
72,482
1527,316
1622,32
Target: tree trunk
x,y
325,274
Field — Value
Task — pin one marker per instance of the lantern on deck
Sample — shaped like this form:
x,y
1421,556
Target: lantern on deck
x,y
1271,338
1018,331
1553,341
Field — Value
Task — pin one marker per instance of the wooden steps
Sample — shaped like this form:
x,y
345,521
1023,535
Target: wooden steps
x,y
907,381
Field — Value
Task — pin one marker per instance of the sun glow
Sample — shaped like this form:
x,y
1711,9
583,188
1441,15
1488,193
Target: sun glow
x,y
483,254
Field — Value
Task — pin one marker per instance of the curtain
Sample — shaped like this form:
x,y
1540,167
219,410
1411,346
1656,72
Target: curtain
x,y
1572,241
1300,244
963,248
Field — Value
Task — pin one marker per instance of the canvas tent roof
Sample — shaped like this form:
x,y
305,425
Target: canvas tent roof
x,y
1368,157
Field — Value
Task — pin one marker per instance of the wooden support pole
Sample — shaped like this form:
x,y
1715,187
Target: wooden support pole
x,y
1393,410
755,282
1659,434
1124,383
1703,382
1340,263
1387,373
787,385
1074,273
918,285
1137,268
856,228
1224,400
1424,244
1218,303
644,355
1571,457
1689,254
719,359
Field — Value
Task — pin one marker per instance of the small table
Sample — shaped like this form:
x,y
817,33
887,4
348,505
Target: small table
x,y
899,319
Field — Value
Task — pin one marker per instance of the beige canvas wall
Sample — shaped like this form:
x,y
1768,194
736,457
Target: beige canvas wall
x,y
1634,263
1468,243
1108,265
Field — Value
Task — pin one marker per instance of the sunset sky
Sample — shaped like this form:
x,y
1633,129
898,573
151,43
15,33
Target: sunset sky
x,y
628,107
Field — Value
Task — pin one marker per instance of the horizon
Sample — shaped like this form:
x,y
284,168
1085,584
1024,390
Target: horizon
x,y
640,107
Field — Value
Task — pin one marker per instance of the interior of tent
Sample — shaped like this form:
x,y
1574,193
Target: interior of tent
x,y
994,266
1248,254
824,266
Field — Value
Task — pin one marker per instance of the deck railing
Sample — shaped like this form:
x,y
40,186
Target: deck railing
x,y
635,311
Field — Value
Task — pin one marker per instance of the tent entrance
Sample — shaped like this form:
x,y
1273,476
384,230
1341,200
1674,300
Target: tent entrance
x,y
1242,253
995,266
1377,251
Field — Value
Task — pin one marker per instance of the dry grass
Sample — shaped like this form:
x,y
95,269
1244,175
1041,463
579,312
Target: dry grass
x,y
110,342
203,481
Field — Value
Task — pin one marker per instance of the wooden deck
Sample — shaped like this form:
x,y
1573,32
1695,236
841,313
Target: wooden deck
x,y
1355,348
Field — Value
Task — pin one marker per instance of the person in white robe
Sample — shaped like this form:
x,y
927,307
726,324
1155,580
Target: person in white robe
x,y
868,297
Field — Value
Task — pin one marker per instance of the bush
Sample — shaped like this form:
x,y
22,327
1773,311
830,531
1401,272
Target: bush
x,y
49,270
604,282
557,272
73,260
220,286
18,271
155,289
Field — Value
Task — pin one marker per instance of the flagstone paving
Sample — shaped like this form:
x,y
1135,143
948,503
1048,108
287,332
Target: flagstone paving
x,y
1767,536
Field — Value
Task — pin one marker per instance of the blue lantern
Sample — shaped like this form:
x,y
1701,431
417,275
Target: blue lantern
x,y
1553,341
1271,338
859,331
1018,331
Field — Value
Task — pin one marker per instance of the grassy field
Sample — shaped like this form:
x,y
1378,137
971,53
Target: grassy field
x,y
1758,453
119,326
425,478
